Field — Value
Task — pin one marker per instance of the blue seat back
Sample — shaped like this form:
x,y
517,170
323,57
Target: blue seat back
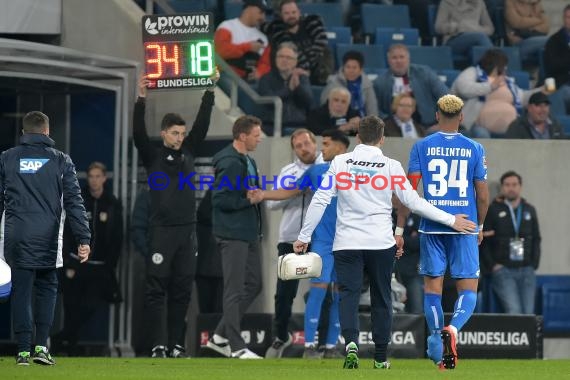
x,y
389,36
556,307
436,57
378,16
331,13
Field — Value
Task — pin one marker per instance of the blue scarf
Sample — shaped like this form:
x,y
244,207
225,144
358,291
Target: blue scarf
x,y
482,77
357,100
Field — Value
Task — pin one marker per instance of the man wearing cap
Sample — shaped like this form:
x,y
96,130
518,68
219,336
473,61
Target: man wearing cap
x,y
536,122
239,40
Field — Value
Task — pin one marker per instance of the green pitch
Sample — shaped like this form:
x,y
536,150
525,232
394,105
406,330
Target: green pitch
x,y
290,369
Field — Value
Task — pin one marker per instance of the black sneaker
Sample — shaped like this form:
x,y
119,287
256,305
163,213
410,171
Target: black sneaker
x,y
23,358
159,352
278,346
311,352
42,356
178,352
332,353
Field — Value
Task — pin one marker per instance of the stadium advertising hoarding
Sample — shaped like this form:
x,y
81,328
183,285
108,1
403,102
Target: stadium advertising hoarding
x,y
500,336
486,336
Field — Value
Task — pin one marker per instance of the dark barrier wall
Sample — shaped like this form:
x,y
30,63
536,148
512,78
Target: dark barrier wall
x,y
486,336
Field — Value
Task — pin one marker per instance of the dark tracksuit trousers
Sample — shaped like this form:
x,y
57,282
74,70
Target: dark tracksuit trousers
x,y
349,265
24,283
170,269
241,266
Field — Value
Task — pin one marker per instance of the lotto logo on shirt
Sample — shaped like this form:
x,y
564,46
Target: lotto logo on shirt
x,y
31,165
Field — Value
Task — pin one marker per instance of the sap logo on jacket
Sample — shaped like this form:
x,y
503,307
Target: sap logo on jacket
x,y
31,165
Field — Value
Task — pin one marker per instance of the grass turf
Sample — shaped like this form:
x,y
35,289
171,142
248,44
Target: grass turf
x,y
297,369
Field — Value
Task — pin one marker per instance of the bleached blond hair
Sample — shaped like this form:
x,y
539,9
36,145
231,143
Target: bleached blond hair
x,y
450,105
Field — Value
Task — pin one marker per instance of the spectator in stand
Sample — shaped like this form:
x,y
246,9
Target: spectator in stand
x,y
401,124
419,16
240,42
464,24
492,99
291,84
527,27
536,124
334,114
557,58
351,75
512,247
305,31
402,77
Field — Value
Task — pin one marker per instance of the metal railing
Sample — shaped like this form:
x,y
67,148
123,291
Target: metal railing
x,y
236,82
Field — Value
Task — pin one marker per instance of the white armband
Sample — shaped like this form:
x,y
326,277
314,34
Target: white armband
x,y
399,231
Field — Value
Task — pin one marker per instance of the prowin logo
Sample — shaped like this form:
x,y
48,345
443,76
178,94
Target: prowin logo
x,y
172,22
31,165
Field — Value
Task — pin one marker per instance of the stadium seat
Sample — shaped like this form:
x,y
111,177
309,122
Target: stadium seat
x,y
331,13
448,76
383,16
512,53
557,106
565,121
389,36
232,9
432,13
541,67
555,307
182,6
374,57
496,10
338,35
436,57
317,90
522,78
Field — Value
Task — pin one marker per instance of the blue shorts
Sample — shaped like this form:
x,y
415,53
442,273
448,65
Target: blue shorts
x,y
460,251
324,250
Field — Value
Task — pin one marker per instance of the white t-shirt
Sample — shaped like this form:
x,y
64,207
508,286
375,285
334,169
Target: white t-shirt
x,y
242,33
364,212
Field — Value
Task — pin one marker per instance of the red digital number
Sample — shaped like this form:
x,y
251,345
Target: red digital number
x,y
159,57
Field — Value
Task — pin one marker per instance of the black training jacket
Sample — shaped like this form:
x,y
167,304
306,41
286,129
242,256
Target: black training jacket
x,y
38,191
176,203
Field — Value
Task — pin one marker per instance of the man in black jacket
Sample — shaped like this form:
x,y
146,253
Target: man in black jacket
x,y
536,123
86,287
171,263
308,33
38,190
557,57
237,228
511,248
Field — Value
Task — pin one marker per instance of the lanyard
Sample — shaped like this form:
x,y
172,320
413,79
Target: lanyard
x,y
517,221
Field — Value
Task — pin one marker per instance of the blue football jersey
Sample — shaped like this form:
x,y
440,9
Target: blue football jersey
x,y
449,164
313,178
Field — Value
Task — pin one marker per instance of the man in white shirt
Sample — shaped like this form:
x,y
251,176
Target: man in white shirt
x,y
239,40
304,144
364,182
